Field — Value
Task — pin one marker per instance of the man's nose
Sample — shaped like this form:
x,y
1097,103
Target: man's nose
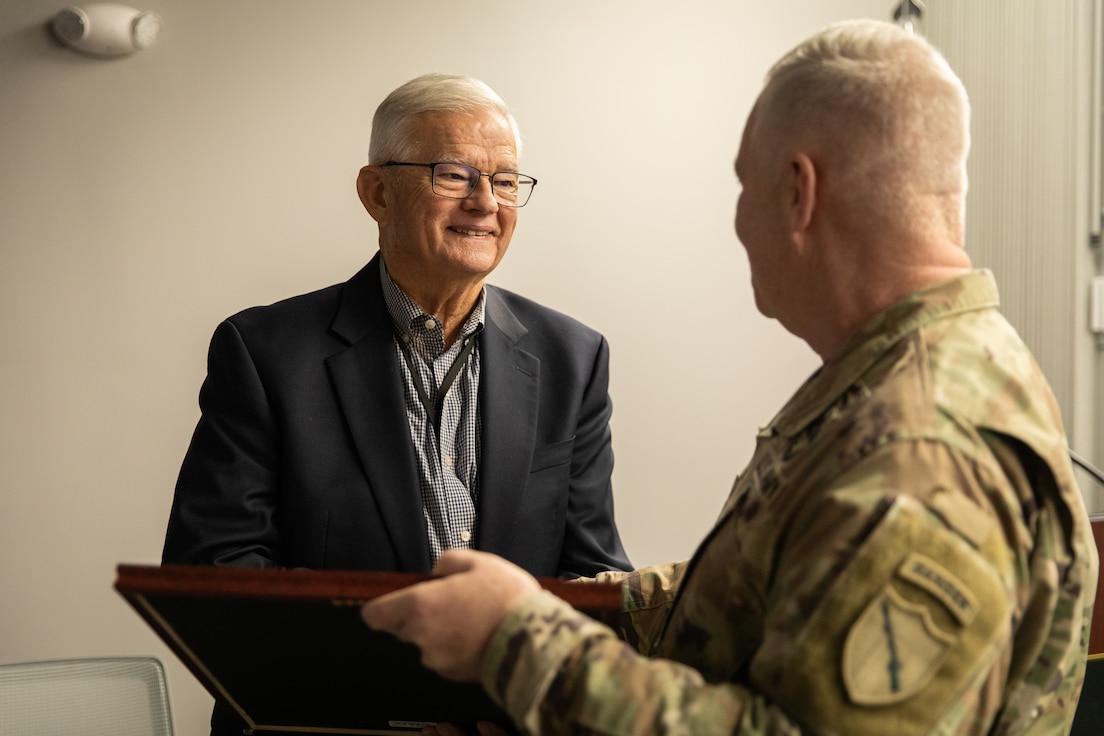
x,y
483,196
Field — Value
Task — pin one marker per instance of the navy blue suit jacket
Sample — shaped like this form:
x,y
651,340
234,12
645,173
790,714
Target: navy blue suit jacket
x,y
303,458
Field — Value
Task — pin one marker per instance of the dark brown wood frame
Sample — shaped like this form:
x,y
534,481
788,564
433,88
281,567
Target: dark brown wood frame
x,y
285,649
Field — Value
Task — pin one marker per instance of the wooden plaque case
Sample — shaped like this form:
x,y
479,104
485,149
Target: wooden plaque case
x,y
286,649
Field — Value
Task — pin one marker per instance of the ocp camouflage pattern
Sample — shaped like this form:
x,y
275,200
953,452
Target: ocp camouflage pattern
x,y
906,553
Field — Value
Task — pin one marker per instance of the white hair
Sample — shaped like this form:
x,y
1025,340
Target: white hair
x,y
429,93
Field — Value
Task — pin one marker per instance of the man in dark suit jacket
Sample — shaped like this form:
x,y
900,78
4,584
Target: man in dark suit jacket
x,y
332,435
303,457
374,424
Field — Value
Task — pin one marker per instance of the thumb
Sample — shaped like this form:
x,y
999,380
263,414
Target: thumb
x,y
455,560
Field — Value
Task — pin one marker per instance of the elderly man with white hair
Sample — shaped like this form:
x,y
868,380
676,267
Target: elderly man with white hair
x,y
413,409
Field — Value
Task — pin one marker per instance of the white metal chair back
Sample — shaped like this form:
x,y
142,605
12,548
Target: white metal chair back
x,y
107,696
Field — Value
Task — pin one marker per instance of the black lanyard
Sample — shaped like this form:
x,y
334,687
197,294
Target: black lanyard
x,y
435,410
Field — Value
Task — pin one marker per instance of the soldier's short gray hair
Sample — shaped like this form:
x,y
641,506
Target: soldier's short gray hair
x,y
883,100
429,93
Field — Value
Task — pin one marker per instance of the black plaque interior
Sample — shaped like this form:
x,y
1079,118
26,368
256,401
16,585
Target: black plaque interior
x,y
286,650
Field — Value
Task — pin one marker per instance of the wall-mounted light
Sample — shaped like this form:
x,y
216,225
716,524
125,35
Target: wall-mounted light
x,y
107,29
910,16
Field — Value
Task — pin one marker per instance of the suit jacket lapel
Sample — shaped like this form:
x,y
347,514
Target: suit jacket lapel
x,y
509,397
368,384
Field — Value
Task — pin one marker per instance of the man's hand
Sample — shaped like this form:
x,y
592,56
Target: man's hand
x,y
451,619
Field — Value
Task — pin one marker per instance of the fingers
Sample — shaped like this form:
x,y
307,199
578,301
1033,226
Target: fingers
x,y
379,614
451,617
390,612
455,561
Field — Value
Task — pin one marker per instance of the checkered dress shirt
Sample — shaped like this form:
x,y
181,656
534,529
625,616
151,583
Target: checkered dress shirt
x,y
448,466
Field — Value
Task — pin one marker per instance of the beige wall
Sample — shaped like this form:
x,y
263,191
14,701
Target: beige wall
x,y
143,199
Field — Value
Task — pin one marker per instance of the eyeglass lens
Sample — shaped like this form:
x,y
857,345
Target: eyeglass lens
x,y
457,181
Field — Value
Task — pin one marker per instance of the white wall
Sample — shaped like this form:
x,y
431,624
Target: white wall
x,y
143,199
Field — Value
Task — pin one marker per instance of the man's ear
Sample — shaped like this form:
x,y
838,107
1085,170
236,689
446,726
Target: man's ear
x,y
370,187
803,185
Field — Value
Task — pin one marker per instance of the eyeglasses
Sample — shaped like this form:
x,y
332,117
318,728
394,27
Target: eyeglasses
x,y
458,182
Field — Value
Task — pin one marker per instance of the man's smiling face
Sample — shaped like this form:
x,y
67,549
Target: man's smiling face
x,y
428,237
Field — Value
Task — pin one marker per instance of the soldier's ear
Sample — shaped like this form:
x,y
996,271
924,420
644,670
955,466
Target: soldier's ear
x,y
803,190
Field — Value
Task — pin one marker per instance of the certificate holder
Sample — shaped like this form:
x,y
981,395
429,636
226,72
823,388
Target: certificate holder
x,y
287,651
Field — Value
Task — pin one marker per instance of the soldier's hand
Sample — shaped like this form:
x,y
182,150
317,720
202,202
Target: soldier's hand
x,y
451,619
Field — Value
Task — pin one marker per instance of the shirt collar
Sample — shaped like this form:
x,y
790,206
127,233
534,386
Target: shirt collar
x,y
405,313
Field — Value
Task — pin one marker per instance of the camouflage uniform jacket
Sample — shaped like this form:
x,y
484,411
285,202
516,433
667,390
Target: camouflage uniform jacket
x,y
906,553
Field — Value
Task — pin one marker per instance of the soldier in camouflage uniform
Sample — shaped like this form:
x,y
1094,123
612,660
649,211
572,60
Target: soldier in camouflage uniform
x,y
907,551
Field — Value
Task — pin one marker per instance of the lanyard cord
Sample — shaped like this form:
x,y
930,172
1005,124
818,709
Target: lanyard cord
x,y
434,411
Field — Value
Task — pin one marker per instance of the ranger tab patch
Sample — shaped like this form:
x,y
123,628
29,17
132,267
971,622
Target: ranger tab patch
x,y
925,572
